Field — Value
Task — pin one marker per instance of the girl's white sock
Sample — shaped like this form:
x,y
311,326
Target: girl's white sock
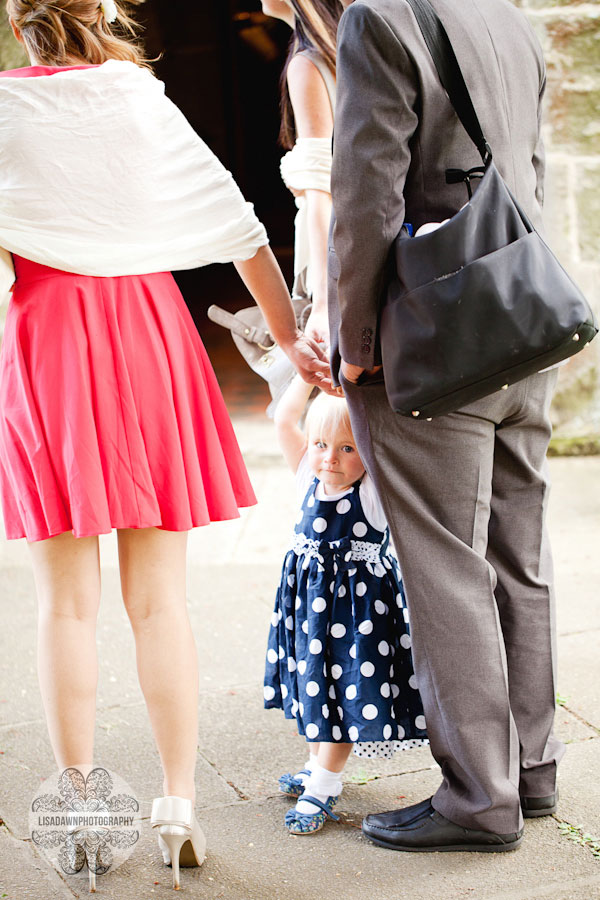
x,y
321,784
309,766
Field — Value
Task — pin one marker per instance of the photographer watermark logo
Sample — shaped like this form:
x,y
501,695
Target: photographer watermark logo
x,y
85,820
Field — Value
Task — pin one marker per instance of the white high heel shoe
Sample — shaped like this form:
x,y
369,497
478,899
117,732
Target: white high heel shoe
x,y
180,838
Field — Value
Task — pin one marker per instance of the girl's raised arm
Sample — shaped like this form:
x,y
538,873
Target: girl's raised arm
x,y
290,436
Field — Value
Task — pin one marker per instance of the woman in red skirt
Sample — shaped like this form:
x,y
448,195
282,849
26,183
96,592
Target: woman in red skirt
x,y
110,413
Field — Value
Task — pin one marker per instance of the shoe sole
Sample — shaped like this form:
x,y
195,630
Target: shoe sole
x,y
455,848
538,813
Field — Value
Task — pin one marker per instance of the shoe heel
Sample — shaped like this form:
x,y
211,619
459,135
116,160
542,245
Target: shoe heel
x,y
92,882
174,841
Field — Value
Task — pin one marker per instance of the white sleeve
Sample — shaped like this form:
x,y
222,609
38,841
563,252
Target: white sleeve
x,y
371,504
304,476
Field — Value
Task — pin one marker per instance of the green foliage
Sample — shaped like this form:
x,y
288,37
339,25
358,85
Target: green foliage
x,y
578,835
12,55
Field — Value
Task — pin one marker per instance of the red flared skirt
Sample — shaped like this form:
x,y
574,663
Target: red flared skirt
x,y
110,412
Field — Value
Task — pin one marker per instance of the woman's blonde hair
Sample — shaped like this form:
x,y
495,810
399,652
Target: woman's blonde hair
x,y
67,32
327,415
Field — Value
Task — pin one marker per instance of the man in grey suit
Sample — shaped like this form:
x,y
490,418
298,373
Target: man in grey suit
x,y
465,494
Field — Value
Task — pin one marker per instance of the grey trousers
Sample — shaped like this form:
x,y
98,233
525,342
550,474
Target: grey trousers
x,y
465,496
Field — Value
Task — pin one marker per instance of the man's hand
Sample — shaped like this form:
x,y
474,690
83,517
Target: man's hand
x,y
353,373
310,361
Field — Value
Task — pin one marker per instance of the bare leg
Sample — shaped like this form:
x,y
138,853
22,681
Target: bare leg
x,y
334,757
67,577
154,590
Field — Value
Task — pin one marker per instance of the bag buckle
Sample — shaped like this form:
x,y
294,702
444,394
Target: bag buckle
x,y
455,176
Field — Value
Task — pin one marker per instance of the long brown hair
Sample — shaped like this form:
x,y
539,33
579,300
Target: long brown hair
x,y
65,32
315,29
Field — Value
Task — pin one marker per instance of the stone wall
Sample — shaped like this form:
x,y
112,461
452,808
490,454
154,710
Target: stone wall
x,y
569,31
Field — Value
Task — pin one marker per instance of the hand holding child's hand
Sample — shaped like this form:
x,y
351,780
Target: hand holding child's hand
x,y
310,361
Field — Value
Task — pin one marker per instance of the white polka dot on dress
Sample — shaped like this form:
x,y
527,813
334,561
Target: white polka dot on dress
x,y
385,690
301,666
353,733
413,682
336,733
311,501
315,646
420,722
340,713
352,572
291,664
325,711
281,652
271,656
332,691
405,641
361,589
379,570
366,627
383,647
274,620
370,711
352,651
319,525
367,669
336,672
359,529
380,607
387,732
284,691
341,591
343,506
289,623
305,626
312,688
269,692
338,630
395,691
312,731
319,604
351,692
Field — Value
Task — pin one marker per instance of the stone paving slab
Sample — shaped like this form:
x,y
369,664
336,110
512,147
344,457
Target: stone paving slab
x,y
579,674
23,874
580,787
124,745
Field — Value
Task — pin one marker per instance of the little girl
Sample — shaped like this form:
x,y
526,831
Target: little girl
x,y
338,659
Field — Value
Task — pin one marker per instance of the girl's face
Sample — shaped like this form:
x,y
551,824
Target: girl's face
x,y
279,9
334,460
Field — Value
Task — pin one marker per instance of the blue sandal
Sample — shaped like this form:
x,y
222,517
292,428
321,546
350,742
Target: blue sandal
x,y
308,823
292,785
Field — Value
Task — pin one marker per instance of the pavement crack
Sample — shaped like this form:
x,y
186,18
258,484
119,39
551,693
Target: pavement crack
x,y
581,718
241,795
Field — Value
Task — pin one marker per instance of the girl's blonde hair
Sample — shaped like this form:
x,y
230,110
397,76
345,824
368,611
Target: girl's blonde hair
x,y
327,415
65,32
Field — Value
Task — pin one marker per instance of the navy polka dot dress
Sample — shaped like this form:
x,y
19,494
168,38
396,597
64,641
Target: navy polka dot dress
x,y
338,658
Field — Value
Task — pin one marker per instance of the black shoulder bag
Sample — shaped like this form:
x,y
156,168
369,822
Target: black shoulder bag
x,y
482,301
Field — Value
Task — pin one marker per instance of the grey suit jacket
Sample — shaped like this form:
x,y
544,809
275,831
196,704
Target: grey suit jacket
x,y
396,133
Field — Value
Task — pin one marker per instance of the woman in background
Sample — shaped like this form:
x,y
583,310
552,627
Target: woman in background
x,y
307,111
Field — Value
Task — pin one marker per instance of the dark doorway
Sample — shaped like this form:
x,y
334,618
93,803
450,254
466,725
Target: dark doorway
x,y
220,61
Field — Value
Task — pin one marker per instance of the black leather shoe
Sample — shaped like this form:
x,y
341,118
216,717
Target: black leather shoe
x,y
431,831
399,817
535,807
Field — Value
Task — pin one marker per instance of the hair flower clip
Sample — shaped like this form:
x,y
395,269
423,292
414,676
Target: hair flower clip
x,y
109,8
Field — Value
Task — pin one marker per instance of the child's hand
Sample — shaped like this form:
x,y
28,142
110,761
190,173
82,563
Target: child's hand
x,y
317,327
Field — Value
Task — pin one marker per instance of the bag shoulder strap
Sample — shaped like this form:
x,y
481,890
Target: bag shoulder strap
x,y
449,71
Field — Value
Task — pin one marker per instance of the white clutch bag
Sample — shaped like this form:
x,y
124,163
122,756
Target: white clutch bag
x,y
7,275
